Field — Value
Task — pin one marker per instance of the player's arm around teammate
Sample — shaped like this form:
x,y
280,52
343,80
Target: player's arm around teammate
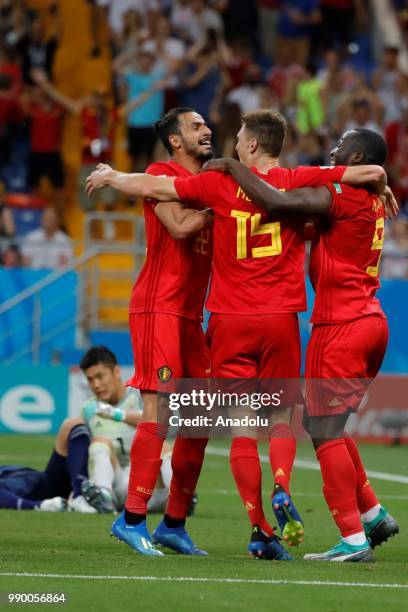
x,y
307,200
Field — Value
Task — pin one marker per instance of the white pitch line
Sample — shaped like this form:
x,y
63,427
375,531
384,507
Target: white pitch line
x,y
211,580
297,494
313,465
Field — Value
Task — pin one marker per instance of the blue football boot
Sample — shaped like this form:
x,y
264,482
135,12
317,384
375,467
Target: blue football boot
x,y
289,521
136,536
176,538
262,546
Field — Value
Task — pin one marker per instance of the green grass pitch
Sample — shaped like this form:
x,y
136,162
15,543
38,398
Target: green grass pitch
x,y
72,545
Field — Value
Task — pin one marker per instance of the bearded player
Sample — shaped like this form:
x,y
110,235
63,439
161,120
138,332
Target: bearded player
x,y
252,299
349,335
165,315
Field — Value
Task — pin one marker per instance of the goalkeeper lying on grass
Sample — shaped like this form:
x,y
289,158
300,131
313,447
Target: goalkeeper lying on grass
x,y
112,415
88,470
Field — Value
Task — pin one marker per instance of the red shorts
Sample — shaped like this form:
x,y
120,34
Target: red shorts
x,y
339,357
166,347
264,346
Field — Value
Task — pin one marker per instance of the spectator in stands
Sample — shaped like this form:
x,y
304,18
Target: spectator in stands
x,y
193,18
241,21
362,116
290,154
169,49
149,11
9,66
338,19
333,98
45,160
14,21
295,28
396,136
98,121
331,65
310,109
36,49
385,81
10,256
268,21
144,83
7,225
252,94
240,57
132,35
10,116
395,250
203,80
47,247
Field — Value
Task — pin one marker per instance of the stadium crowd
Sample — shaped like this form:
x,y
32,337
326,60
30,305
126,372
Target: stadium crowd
x,y
311,60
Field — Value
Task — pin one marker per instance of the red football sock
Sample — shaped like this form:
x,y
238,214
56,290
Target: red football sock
x,y
282,452
186,462
246,469
145,465
366,498
339,485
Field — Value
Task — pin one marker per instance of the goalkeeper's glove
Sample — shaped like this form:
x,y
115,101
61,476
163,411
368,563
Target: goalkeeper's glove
x,y
106,411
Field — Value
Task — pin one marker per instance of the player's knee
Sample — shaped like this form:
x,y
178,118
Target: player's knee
x,y
100,445
326,428
69,424
281,417
150,406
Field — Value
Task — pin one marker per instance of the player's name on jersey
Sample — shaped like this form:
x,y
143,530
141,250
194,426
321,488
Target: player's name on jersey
x,y
218,422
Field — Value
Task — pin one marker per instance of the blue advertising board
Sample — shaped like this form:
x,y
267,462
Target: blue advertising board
x,y
33,399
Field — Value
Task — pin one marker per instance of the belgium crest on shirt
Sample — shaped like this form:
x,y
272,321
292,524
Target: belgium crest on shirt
x,y
164,374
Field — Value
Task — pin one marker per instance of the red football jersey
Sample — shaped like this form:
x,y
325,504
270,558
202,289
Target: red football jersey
x,y
345,258
258,263
174,278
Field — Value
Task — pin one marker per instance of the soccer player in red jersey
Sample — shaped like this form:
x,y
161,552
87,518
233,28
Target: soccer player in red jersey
x,y
349,336
257,288
165,314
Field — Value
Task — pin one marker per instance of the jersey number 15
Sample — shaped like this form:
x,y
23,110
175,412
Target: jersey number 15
x,y
257,229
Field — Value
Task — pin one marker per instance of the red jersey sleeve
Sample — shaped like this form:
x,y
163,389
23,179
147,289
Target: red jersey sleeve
x,y
346,200
158,169
203,187
316,176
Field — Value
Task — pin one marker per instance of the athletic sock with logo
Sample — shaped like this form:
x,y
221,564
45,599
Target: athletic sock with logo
x,y
145,465
282,452
339,485
366,497
246,469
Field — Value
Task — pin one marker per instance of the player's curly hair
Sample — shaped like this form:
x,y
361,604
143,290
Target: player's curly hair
x,y
96,355
268,127
169,124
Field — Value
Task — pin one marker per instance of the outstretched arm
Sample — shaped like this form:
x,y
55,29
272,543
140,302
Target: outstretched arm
x,y
138,184
41,79
309,201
